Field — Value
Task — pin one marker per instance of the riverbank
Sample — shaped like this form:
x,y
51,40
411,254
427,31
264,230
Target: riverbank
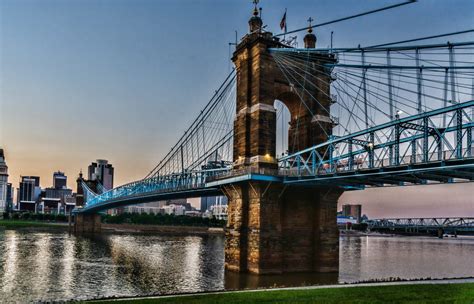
x,y
161,229
421,292
29,224
119,228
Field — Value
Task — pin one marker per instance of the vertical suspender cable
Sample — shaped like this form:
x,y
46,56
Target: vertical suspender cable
x,y
364,87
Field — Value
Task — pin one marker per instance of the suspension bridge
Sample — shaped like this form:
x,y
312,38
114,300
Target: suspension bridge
x,y
296,127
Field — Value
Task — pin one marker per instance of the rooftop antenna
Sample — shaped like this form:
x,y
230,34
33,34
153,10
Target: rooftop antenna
x,y
332,33
230,45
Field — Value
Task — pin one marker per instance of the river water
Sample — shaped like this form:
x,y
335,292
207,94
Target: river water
x,y
50,265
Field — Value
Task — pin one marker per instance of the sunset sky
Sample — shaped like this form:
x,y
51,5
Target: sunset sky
x,y
122,80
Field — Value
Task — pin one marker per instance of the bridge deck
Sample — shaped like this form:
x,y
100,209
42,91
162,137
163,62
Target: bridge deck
x,y
447,155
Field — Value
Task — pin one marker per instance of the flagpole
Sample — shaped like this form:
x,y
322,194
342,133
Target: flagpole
x,y
286,16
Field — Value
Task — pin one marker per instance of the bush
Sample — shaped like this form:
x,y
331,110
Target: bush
x,y
162,219
360,227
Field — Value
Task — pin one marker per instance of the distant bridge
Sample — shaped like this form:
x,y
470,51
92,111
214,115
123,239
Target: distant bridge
x,y
450,225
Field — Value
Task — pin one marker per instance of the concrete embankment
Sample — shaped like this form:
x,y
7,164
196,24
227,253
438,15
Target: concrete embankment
x,y
185,230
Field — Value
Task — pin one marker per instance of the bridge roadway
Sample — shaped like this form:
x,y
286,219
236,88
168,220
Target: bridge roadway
x,y
208,183
362,163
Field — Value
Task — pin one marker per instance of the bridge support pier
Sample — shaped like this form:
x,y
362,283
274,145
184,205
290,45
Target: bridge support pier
x,y
275,229
87,223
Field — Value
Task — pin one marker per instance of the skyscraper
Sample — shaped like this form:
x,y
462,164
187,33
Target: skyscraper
x,y
3,183
10,192
54,198
59,180
103,172
28,193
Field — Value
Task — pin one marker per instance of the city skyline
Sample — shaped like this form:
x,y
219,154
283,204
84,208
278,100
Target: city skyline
x,y
105,80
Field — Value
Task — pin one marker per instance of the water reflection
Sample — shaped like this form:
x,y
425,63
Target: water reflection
x,y
235,281
51,265
67,265
9,247
368,258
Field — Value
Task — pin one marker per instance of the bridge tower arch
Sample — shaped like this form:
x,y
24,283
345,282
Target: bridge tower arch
x,y
275,228
283,127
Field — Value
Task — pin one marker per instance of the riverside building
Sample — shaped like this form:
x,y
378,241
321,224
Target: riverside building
x,y
3,183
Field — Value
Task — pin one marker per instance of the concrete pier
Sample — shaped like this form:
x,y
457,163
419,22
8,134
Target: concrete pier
x,y
275,230
87,223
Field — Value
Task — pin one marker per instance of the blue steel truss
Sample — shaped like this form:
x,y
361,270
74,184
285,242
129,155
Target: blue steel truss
x,y
188,184
455,223
352,161
420,149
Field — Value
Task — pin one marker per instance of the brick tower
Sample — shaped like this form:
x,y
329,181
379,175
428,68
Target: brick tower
x,y
275,228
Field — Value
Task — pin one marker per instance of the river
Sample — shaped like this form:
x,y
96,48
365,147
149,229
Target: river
x,y
53,265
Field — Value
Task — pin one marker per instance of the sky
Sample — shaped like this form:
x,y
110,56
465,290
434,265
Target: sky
x,y
122,80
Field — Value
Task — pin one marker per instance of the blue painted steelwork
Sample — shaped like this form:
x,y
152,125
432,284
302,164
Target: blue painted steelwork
x,y
316,166
155,187
423,224
88,193
319,163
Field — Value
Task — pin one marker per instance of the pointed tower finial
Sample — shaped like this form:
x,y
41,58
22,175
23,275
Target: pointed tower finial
x,y
255,9
310,28
255,23
310,38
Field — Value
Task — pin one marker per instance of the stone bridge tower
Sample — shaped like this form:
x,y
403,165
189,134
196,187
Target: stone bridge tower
x,y
276,228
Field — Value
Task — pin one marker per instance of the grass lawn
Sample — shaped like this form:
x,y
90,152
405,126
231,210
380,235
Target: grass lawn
x,y
421,293
26,224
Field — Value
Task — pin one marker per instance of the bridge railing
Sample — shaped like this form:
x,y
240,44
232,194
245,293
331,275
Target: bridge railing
x,y
232,172
158,184
412,140
340,166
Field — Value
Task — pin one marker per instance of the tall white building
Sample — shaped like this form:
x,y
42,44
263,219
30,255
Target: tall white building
x,y
3,182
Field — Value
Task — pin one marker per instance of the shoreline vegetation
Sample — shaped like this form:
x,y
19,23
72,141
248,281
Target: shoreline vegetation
x,y
162,219
377,293
10,223
162,229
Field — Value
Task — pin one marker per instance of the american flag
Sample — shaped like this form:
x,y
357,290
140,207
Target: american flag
x,y
283,22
